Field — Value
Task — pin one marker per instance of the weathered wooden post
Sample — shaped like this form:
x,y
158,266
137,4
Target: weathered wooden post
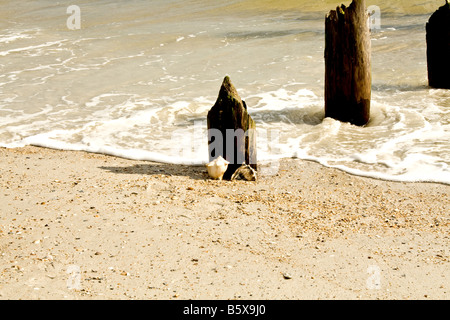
x,y
348,79
231,130
438,48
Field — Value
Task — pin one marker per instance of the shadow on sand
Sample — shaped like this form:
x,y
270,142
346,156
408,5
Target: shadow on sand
x,y
193,172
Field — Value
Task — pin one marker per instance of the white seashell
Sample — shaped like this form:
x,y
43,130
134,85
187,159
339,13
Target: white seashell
x,y
217,168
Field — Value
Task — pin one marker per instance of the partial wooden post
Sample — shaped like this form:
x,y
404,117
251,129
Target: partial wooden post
x,y
348,77
438,48
231,130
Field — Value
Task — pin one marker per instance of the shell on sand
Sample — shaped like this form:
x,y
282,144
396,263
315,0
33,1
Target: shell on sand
x,y
244,172
217,168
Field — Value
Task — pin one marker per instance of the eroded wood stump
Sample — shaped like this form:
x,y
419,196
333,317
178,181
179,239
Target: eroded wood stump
x,y
231,130
348,79
438,48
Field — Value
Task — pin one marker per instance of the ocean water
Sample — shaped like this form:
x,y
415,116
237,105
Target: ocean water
x,y
136,79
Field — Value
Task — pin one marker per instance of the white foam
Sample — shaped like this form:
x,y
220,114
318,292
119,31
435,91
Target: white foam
x,y
124,130
14,35
46,140
30,48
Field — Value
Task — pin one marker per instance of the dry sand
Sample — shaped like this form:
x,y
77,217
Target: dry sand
x,y
75,225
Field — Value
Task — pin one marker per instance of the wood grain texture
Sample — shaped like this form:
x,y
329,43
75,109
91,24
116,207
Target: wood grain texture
x,y
348,77
231,130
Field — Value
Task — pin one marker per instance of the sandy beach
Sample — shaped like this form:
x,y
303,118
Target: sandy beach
x,y
76,225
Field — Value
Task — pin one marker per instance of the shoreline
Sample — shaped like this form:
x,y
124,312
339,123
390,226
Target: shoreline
x,y
32,149
349,171
78,225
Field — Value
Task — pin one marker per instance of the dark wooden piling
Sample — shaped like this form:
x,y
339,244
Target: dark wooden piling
x,y
438,48
231,130
348,77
